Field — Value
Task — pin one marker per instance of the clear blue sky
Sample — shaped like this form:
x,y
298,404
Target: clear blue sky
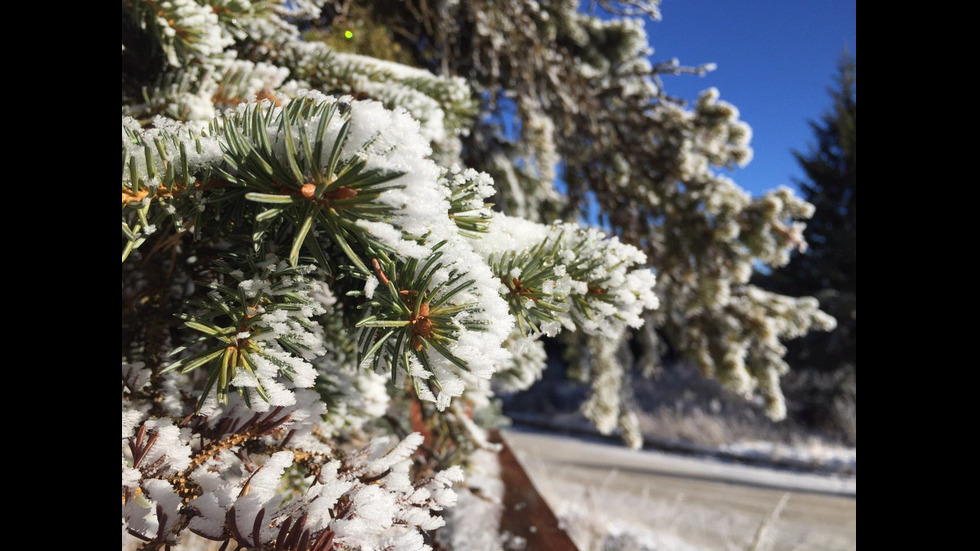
x,y
775,60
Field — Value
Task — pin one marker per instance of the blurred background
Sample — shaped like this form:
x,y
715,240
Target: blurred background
x,y
790,68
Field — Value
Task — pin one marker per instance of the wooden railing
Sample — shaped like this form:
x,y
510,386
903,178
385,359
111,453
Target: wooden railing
x,y
526,514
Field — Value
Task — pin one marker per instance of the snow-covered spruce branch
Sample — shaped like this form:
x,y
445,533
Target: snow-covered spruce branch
x,y
365,500
381,244
181,30
296,171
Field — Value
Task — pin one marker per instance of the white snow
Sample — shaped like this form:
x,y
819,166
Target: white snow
x,y
472,523
608,497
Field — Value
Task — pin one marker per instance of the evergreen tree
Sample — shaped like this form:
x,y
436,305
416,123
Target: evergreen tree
x,y
828,269
831,170
317,295
824,384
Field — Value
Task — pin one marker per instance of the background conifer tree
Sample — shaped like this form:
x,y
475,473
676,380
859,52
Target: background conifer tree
x,y
828,269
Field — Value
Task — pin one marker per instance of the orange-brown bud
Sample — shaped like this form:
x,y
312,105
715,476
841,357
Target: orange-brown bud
x,y
424,328
308,191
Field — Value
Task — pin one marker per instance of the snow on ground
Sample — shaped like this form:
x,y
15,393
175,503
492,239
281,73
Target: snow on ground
x,y
813,452
609,497
806,454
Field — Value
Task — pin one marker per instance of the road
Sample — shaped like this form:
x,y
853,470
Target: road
x,y
649,500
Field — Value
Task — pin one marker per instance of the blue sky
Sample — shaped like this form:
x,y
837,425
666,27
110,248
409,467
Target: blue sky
x,y
775,60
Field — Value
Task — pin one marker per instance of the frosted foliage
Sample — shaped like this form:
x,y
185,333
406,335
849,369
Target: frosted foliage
x,y
185,29
360,396
629,427
313,261
170,451
480,183
528,362
130,419
752,362
709,319
585,281
383,139
135,375
365,501
647,162
198,93
603,405
604,363
468,191
519,199
155,513
611,290
719,305
387,141
277,335
155,450
439,104
201,151
300,9
540,136
509,233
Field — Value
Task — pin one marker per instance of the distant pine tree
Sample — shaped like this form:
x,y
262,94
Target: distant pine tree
x,y
831,170
828,270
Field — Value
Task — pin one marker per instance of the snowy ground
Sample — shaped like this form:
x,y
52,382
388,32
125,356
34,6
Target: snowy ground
x,y
806,454
612,498
813,453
